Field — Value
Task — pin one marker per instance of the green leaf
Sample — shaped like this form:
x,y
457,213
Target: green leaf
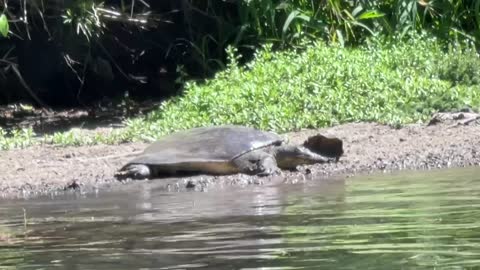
x,y
4,25
371,14
294,14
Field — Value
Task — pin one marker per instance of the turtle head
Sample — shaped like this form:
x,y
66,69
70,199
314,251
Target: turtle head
x,y
327,147
316,149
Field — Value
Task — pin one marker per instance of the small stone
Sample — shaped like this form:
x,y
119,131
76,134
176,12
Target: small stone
x,y
73,185
190,184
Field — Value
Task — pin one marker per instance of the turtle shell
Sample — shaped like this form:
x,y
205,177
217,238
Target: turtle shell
x,y
206,145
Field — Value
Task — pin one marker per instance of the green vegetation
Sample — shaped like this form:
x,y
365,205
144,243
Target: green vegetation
x,y
391,82
387,80
76,137
352,21
287,24
18,138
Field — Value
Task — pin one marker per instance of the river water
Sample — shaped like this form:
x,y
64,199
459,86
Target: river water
x,y
415,220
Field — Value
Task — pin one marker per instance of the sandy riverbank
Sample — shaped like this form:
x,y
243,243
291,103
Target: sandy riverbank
x,y
368,147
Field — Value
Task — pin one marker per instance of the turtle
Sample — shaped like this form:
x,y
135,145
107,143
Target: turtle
x,y
227,149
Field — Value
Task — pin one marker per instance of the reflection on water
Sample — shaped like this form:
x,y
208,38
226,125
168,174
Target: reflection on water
x,y
423,220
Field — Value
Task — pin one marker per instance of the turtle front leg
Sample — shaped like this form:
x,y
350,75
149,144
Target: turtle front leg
x,y
258,163
134,171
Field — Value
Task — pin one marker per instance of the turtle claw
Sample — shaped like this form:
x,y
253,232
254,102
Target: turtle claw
x,y
269,173
267,167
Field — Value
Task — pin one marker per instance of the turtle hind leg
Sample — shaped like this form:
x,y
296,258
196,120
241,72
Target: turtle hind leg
x,y
258,163
134,171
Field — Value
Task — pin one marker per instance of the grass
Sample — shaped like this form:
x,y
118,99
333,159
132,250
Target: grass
x,y
390,81
18,138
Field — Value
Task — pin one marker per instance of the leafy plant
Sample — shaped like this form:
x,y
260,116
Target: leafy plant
x,y
85,18
17,138
388,81
462,67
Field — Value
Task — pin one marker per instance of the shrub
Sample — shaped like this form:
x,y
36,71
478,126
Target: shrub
x,y
387,81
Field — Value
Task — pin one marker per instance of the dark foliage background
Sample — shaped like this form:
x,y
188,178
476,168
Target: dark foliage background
x,y
75,52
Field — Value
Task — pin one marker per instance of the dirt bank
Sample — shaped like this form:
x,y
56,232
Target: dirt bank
x,y
368,147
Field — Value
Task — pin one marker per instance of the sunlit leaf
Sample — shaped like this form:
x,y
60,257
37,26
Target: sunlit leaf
x,y
371,14
4,27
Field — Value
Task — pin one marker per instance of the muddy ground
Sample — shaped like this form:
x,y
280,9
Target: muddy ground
x,y
368,148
